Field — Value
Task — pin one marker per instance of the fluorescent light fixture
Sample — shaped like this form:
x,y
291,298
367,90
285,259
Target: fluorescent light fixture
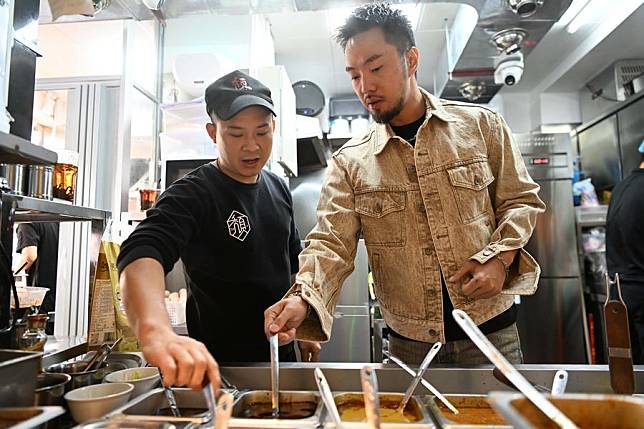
x,y
600,10
337,17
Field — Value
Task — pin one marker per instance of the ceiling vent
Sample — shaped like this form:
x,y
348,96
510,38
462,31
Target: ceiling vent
x,y
472,90
625,72
509,41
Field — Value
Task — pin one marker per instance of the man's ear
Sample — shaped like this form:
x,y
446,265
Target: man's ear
x,y
412,57
212,132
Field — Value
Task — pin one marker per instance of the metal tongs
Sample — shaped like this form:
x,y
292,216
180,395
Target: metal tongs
x,y
421,371
424,382
101,354
371,399
327,397
510,372
275,375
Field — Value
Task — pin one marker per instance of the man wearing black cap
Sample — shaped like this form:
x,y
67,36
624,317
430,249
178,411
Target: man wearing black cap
x,y
231,222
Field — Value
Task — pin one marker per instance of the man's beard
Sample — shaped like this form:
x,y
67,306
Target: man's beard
x,y
386,117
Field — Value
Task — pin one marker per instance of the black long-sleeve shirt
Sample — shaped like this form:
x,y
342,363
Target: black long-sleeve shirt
x,y
239,245
625,229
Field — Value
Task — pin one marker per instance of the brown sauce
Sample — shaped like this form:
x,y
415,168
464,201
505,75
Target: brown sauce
x,y
288,410
473,415
354,411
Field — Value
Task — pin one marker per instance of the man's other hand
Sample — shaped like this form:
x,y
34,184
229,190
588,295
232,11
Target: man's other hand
x,y
310,351
284,317
483,280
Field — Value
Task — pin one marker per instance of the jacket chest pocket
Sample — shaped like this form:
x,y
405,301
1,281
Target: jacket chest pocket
x,y
382,217
470,184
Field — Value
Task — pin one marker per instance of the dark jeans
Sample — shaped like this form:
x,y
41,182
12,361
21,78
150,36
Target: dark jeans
x,y
633,294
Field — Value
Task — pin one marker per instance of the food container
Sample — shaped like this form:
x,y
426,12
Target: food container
x,y
585,410
143,379
41,182
191,403
91,402
15,175
50,388
29,296
28,417
80,377
65,172
351,409
18,371
474,412
298,409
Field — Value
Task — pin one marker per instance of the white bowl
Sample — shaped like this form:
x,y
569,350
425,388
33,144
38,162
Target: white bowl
x,y
92,402
143,379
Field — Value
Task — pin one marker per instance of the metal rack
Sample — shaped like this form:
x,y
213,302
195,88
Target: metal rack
x,y
16,150
586,218
17,209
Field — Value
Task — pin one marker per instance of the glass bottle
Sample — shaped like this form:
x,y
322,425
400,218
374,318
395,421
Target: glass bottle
x,y
35,337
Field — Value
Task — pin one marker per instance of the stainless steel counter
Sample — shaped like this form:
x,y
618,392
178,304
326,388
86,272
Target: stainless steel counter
x,y
475,380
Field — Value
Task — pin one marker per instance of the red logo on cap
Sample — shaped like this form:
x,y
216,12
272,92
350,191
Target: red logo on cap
x,y
240,83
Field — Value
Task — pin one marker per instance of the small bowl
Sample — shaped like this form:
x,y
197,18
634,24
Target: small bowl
x,y
143,379
50,388
92,402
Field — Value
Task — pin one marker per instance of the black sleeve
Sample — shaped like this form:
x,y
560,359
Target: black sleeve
x,y
169,225
27,236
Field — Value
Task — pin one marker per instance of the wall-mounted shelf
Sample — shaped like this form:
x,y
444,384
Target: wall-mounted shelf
x,y
29,209
16,150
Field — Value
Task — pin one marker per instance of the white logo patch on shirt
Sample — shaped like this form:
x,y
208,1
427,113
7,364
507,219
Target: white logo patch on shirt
x,y
238,225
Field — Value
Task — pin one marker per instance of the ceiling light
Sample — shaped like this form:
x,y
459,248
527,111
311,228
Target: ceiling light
x,y
154,4
337,17
509,40
525,8
472,90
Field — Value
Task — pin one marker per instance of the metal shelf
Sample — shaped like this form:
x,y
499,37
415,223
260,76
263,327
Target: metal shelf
x,y
16,150
29,209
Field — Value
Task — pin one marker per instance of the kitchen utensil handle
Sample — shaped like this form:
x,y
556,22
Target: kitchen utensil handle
x,y
424,382
481,341
327,397
421,371
371,399
559,383
275,380
224,409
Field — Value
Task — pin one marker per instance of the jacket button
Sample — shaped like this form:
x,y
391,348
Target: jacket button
x,y
428,251
487,253
433,332
411,168
421,207
477,180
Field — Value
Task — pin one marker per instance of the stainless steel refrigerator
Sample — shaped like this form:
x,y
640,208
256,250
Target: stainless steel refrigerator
x,y
551,322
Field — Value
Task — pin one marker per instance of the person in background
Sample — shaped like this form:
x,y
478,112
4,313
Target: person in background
x,y
38,246
231,222
442,197
625,250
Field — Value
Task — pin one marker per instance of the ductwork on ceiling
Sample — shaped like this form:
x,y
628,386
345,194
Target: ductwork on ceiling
x,y
506,29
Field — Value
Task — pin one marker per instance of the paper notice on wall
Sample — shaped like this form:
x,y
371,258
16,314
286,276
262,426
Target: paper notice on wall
x,y
102,319
71,7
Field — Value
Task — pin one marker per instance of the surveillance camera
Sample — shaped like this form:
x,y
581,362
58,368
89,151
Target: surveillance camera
x,y
509,69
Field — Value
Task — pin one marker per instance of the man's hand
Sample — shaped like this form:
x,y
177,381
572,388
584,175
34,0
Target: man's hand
x,y
486,279
182,361
310,351
284,317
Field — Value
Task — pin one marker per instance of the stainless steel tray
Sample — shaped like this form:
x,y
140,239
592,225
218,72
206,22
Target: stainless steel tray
x,y
28,417
585,410
414,402
247,399
467,418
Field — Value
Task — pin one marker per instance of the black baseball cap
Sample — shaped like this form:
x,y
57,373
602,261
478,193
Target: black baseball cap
x,y
229,94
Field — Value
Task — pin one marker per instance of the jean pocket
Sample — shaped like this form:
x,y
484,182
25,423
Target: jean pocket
x,y
382,215
470,183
